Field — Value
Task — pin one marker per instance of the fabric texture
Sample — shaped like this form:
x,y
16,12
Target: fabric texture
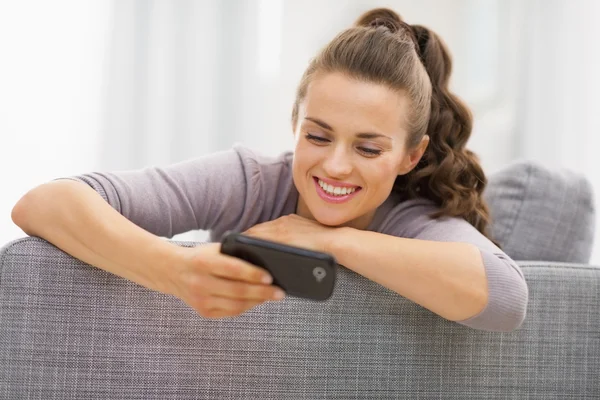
x,y
238,188
542,214
71,331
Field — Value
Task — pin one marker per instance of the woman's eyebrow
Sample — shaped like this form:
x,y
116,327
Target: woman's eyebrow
x,y
362,135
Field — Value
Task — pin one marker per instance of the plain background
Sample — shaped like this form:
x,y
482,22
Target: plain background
x,y
101,85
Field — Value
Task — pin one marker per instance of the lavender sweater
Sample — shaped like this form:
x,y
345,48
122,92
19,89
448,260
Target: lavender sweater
x,y
236,189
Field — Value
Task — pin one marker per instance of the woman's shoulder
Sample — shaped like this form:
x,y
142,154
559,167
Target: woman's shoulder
x,y
269,181
254,158
273,173
413,219
406,217
395,205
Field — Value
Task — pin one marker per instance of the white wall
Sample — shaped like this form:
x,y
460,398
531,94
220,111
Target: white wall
x,y
51,66
101,85
105,85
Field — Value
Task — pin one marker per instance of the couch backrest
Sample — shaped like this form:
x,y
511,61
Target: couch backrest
x,y
541,213
69,330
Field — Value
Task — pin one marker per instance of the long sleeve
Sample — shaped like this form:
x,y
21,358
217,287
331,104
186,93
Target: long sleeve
x,y
220,191
507,288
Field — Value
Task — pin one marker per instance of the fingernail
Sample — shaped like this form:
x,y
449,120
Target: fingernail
x,y
267,279
278,295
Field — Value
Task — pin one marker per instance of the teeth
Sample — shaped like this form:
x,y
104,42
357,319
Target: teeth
x,y
336,191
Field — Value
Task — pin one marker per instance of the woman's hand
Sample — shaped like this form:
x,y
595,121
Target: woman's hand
x,y
297,231
217,285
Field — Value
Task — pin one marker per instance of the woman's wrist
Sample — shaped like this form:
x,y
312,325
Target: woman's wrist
x,y
335,241
171,259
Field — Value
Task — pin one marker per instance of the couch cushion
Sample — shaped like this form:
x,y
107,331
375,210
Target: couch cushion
x,y
542,214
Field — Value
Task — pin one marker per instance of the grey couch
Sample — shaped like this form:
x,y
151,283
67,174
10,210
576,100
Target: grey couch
x,y
71,331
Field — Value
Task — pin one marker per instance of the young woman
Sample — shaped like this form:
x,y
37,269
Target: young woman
x,y
379,177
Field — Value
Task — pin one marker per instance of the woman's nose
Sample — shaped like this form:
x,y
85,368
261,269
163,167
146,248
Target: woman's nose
x,y
338,164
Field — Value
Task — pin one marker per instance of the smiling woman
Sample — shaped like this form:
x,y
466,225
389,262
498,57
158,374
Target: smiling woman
x,y
379,177
349,133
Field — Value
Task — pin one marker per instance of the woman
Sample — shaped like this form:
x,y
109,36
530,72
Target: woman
x,y
379,177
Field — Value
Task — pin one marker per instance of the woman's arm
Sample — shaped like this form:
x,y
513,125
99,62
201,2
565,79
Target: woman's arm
x,y
76,219
73,217
198,193
446,278
443,264
459,281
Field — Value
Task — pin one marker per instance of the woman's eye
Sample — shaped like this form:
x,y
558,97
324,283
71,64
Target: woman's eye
x,y
316,138
366,151
369,152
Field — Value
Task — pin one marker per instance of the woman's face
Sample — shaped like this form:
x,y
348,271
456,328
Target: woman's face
x,y
350,146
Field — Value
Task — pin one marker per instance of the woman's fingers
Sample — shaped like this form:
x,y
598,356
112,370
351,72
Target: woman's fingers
x,y
237,269
213,305
216,286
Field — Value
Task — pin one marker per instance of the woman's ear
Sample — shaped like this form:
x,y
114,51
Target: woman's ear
x,y
414,156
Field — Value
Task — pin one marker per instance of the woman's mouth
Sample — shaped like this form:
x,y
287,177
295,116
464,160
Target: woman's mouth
x,y
333,194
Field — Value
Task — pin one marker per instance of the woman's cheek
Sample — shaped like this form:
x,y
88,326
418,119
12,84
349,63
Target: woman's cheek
x,y
380,173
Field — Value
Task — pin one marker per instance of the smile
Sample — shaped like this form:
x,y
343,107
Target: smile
x,y
335,194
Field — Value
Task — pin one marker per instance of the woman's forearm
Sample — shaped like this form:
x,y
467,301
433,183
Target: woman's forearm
x,y
446,278
74,218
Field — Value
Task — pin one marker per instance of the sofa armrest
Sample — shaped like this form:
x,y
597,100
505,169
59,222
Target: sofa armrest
x,y
70,330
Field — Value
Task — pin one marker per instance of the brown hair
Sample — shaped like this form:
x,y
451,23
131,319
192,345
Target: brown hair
x,y
383,49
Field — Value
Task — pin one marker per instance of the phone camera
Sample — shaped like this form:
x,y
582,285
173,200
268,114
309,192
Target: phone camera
x,y
319,273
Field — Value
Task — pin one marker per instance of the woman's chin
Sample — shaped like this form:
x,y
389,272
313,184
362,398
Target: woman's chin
x,y
332,220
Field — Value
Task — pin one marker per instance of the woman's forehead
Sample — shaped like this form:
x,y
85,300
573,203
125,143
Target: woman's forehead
x,y
347,101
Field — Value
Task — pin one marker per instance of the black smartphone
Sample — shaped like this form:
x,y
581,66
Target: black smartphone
x,y
299,272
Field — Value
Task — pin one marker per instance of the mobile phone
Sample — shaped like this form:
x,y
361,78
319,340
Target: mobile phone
x,y
299,272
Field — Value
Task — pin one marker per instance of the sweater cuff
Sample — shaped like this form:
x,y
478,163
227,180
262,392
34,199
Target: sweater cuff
x,y
507,295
